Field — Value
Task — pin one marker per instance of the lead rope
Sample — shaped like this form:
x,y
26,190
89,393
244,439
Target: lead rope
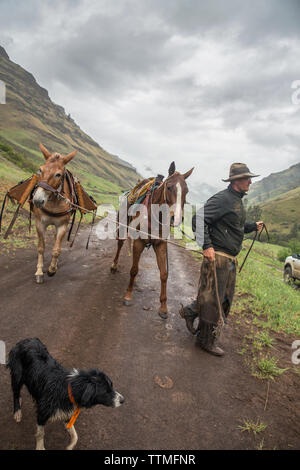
x,y
2,210
88,240
76,206
12,222
72,243
221,319
72,225
257,236
30,212
76,411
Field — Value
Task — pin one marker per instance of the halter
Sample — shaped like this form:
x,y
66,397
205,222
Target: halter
x,y
165,197
165,189
57,192
48,187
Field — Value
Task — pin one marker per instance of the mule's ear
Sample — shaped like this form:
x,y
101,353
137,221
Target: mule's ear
x,y
172,168
69,157
188,173
45,152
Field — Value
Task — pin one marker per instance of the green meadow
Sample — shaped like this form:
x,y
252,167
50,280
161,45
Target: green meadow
x,y
260,289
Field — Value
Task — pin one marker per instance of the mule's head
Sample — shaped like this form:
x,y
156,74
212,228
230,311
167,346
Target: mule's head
x,y
175,191
51,173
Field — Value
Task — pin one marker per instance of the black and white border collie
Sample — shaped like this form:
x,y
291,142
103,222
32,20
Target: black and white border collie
x,y
56,391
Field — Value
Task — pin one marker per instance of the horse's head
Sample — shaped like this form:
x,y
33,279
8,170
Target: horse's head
x,y
175,191
50,174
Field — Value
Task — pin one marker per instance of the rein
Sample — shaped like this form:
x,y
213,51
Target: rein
x,y
257,236
165,201
74,207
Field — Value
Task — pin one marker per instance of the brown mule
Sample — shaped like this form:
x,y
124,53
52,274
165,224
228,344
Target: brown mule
x,y
172,192
48,209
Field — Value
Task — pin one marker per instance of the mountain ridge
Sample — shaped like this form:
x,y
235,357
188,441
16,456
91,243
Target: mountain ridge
x,y
275,184
30,116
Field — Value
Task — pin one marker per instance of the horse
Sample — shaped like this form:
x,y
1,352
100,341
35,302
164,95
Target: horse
x,y
49,209
171,192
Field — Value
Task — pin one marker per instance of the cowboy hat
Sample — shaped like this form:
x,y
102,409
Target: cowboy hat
x,y
239,170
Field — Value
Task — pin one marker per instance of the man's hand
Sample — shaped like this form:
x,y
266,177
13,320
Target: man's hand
x,y
209,253
259,225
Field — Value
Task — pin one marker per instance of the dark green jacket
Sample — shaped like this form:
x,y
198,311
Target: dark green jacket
x,y
224,223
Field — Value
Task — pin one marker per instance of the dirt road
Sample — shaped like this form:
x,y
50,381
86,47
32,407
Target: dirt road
x,y
177,396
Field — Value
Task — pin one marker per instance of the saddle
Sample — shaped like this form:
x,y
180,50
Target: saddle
x,y
23,191
142,189
140,194
137,194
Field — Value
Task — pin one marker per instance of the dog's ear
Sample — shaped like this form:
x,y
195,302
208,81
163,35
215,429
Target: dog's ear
x,y
86,399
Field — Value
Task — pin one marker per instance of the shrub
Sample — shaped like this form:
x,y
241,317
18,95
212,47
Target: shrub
x,y
283,253
17,158
294,246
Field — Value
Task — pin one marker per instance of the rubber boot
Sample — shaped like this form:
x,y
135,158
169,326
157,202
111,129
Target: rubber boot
x,y
189,313
206,339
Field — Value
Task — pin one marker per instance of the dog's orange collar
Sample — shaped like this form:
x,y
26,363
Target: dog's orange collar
x,y
77,409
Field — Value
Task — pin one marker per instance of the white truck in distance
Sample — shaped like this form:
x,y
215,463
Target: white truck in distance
x,y
292,268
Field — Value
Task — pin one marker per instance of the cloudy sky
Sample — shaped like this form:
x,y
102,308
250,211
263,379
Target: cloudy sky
x,y
201,82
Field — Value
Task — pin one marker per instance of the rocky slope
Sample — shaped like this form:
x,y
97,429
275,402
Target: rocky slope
x,y
29,117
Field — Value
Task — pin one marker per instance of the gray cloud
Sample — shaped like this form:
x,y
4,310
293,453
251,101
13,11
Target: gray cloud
x,y
204,83
252,21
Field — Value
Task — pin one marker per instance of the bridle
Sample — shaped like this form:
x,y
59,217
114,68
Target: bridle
x,y
57,192
165,197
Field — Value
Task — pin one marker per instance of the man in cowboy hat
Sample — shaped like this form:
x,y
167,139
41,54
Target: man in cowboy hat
x,y
224,228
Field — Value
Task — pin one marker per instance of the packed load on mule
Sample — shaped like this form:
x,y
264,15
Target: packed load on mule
x,y
24,191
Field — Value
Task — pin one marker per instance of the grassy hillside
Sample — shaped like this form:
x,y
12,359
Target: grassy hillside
x,y
281,215
282,212
15,166
260,289
274,185
265,312
29,117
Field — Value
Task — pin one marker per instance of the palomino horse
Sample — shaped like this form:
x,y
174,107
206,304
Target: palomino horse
x,y
172,192
48,209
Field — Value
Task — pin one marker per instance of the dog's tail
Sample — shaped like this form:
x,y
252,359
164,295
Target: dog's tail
x,y
15,366
24,352
14,360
